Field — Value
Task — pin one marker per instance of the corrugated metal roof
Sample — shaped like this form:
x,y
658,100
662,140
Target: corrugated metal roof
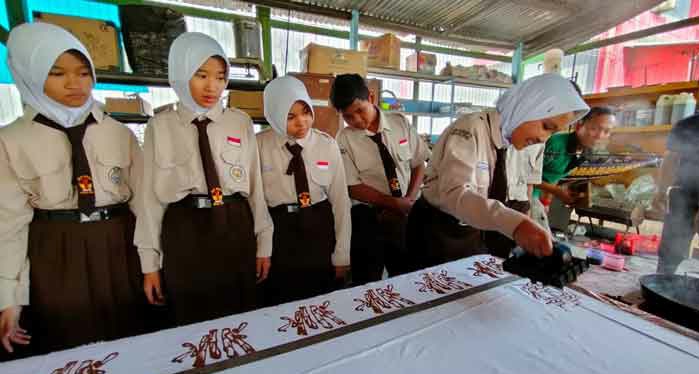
x,y
499,24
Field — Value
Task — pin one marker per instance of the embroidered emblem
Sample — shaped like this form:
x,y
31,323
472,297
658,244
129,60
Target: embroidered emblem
x,y
115,175
85,185
238,173
305,199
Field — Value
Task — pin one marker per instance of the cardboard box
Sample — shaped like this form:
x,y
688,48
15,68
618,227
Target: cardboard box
x,y
134,105
428,63
99,37
384,51
327,60
250,102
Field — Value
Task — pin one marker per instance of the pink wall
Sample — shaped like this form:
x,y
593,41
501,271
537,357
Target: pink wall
x,y
618,65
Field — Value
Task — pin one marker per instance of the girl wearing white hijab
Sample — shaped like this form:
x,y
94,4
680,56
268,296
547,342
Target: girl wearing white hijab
x,y
205,225
307,196
68,173
466,181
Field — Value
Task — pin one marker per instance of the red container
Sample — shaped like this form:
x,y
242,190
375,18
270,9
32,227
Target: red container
x,y
630,244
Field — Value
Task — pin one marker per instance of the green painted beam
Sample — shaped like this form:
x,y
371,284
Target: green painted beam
x,y
15,12
4,34
517,66
264,15
354,30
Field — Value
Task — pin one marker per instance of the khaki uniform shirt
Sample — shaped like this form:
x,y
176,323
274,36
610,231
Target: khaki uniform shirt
x,y
36,172
326,180
461,169
173,170
523,169
361,157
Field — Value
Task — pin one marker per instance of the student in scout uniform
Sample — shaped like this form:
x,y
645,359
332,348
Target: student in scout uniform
x,y
68,174
307,196
384,161
523,173
466,179
205,221
563,153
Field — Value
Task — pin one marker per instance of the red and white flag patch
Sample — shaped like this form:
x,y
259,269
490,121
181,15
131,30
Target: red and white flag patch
x,y
403,142
323,165
234,141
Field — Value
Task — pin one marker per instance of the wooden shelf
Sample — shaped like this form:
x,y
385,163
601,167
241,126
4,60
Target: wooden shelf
x,y
642,130
645,90
401,74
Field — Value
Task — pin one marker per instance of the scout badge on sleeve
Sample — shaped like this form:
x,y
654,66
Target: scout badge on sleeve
x,y
85,184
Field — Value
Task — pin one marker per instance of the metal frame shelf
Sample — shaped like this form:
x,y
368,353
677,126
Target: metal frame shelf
x,y
435,80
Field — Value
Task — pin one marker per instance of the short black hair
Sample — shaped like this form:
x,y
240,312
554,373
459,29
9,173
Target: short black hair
x,y
597,111
347,88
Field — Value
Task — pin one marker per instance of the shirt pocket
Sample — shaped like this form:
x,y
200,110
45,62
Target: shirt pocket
x,y
172,173
235,170
404,155
45,175
111,173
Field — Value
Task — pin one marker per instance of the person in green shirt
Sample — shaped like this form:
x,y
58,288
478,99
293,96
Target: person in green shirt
x,y
563,153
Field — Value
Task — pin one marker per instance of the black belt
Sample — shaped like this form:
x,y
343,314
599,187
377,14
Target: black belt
x,y
437,214
204,202
292,208
73,215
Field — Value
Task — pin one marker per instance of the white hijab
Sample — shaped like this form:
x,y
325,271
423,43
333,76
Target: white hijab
x,y
32,49
187,54
543,96
279,96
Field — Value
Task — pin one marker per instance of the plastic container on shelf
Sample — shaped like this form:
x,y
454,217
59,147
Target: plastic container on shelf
x,y
683,106
644,117
663,109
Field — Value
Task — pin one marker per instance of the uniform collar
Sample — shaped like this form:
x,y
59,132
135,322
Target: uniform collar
x,y
282,140
384,125
187,116
95,110
492,119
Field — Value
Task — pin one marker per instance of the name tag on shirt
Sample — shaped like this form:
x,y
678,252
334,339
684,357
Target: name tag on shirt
x,y
403,142
234,141
323,165
267,168
482,165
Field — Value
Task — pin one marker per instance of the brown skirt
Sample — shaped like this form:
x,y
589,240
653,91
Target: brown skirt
x,y
436,237
301,262
85,283
209,271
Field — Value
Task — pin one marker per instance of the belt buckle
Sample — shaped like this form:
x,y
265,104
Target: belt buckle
x,y
292,208
203,202
94,216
